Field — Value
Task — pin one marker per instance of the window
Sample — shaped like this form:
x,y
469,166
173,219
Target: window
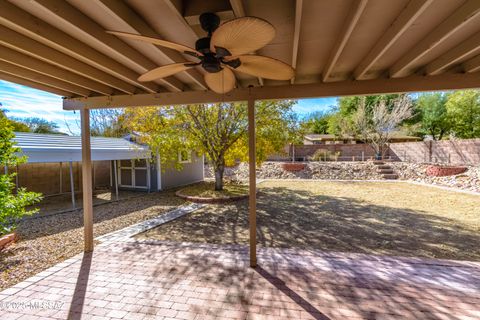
x,y
185,156
133,173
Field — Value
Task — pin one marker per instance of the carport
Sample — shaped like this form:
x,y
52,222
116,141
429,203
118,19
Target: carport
x,y
337,48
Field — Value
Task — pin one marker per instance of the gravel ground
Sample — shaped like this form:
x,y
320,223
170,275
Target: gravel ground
x,y
470,180
46,241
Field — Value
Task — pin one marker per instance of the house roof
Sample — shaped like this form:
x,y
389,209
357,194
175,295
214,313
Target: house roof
x,y
340,47
61,148
322,137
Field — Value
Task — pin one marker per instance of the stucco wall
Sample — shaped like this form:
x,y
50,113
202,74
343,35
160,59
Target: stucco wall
x,y
190,173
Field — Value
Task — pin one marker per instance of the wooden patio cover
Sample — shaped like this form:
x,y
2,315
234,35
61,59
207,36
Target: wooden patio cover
x,y
341,47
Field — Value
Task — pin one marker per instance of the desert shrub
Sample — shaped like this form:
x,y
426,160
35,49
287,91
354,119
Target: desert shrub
x,y
325,155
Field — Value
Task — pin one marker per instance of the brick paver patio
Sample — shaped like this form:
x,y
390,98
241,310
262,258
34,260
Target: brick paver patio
x,y
158,280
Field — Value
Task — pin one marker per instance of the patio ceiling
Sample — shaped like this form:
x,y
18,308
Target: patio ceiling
x,y
337,47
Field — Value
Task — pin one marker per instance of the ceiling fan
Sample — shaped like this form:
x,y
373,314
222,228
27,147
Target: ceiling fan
x,y
227,47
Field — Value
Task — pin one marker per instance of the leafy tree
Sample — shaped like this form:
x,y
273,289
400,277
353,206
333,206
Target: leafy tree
x,y
107,123
376,126
216,130
463,108
16,125
317,122
12,206
434,120
39,125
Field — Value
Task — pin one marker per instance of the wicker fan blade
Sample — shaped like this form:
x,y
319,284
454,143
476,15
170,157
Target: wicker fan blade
x,y
167,44
165,71
265,67
242,35
221,82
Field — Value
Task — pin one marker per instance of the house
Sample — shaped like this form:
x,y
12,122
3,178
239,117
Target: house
x,y
310,139
54,165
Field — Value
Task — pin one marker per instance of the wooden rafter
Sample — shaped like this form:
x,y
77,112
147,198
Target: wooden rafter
x,y
296,33
40,51
122,12
472,65
455,55
42,79
347,30
34,84
408,16
329,89
25,23
468,11
68,14
25,61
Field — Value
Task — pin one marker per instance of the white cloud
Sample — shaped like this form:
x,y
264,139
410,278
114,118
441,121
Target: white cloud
x,y
21,101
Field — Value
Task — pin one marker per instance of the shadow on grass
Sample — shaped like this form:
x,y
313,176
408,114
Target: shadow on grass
x,y
301,219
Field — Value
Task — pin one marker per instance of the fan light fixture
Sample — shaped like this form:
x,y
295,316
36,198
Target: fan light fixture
x,y
227,47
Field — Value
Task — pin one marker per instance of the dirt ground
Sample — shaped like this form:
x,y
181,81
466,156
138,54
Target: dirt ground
x,y
382,218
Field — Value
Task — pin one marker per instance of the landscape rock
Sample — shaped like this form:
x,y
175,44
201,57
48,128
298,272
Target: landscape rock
x,y
468,180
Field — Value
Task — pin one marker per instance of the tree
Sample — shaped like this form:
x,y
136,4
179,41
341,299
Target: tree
x,y
12,206
376,126
317,122
16,126
39,125
434,120
107,123
217,130
463,108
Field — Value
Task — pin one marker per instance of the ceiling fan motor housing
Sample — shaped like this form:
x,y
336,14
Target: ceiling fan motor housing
x,y
211,63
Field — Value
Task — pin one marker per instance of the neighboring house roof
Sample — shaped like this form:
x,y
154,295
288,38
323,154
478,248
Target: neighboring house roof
x,y
60,148
328,137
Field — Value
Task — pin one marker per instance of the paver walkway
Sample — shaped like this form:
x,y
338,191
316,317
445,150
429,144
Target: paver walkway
x,y
158,280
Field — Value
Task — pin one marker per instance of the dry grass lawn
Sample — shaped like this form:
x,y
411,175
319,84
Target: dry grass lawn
x,y
381,218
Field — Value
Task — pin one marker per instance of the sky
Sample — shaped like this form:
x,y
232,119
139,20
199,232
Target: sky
x,y
23,102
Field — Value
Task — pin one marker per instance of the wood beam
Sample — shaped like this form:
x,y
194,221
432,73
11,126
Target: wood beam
x,y
37,50
347,30
87,181
454,55
401,24
136,23
330,89
68,14
472,65
22,60
42,79
296,34
24,82
239,11
25,23
252,185
468,11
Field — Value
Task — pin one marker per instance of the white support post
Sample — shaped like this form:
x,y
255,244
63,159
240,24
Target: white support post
x,y
72,184
87,181
115,174
60,189
252,199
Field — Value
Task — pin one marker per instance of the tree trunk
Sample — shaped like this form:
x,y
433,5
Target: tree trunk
x,y
219,169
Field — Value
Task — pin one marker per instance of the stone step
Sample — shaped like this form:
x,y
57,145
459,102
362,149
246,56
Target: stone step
x,y
384,166
378,162
391,176
385,171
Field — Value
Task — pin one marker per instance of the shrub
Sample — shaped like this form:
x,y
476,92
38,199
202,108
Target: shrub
x,y
325,155
12,206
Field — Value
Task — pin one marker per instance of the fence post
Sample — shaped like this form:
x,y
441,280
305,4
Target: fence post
x,y
430,151
363,156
